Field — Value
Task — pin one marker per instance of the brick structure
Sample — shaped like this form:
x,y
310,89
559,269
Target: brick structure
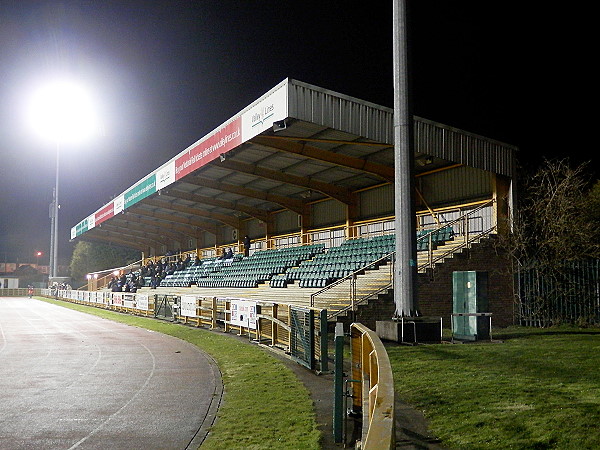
x,y
435,288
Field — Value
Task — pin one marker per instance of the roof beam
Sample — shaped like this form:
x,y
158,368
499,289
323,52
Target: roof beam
x,y
105,240
119,235
176,227
289,203
207,226
252,212
289,145
152,228
164,204
336,192
137,234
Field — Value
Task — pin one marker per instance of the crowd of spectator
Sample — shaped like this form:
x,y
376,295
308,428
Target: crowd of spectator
x,y
152,273
158,270
125,283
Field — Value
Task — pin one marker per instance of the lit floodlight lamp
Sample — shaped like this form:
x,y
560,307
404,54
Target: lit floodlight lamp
x,y
62,110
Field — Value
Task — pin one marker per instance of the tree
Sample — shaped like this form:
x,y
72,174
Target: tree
x,y
554,232
92,257
555,219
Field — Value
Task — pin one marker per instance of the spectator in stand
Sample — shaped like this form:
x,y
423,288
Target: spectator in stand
x,y
116,287
228,254
246,245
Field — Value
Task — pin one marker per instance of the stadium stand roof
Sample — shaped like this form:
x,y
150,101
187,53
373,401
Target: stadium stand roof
x,y
295,145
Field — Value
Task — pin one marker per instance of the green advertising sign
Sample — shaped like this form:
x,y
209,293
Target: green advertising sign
x,y
140,191
81,227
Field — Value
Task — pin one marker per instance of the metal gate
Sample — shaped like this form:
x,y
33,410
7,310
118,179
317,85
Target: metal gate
x,y
302,341
163,306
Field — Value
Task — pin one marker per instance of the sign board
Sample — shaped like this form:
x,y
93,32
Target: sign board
x,y
187,306
141,302
140,191
243,313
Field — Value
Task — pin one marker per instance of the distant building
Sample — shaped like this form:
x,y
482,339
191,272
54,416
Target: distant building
x,y
9,282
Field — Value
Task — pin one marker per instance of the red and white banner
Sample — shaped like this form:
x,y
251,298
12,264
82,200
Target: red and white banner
x,y
105,213
204,151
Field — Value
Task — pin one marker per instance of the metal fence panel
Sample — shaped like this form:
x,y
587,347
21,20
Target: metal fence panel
x,y
302,340
568,293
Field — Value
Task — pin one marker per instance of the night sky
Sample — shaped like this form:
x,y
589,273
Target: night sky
x,y
166,73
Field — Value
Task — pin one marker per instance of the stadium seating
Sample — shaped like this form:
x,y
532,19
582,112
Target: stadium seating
x,y
310,266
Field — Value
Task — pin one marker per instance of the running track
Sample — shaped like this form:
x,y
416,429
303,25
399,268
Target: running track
x,y
70,380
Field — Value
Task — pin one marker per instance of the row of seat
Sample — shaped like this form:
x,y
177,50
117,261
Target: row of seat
x,y
310,265
259,267
353,255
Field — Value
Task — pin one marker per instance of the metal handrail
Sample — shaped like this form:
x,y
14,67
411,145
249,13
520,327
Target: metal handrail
x,y
351,276
431,260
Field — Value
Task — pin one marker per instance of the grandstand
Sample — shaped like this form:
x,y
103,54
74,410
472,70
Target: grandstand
x,y
308,175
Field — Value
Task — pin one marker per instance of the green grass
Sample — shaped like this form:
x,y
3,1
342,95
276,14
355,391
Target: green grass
x,y
264,405
538,389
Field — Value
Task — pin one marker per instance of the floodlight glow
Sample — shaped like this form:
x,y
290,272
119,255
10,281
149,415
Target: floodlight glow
x,y
62,110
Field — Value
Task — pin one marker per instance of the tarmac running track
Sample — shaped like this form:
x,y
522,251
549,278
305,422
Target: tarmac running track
x,y
70,380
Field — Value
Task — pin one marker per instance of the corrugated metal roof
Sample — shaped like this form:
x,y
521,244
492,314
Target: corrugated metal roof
x,y
331,145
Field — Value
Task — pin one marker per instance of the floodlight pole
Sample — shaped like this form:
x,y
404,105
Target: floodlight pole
x,y
54,221
405,266
51,215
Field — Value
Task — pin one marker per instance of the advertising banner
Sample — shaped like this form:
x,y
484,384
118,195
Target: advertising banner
x,y
243,313
261,116
117,299
211,147
119,203
165,175
128,303
188,306
141,302
104,213
81,227
91,221
140,191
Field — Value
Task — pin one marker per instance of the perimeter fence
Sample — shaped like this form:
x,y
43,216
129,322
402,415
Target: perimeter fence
x,y
569,292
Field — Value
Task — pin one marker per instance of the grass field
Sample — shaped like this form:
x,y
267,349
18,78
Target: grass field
x,y
536,389
264,404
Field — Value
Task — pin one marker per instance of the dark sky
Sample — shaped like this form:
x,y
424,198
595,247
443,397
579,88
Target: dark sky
x,y
166,73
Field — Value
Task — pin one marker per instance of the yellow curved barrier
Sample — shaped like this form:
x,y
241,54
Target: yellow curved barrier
x,y
374,393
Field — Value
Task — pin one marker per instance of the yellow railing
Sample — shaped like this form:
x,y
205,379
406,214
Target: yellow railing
x,y
373,391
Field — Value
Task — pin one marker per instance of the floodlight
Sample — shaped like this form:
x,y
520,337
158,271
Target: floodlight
x,y
62,110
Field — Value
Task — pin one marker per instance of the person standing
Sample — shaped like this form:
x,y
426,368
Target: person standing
x,y
246,246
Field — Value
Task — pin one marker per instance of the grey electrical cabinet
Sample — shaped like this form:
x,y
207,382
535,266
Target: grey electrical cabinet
x,y
470,303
